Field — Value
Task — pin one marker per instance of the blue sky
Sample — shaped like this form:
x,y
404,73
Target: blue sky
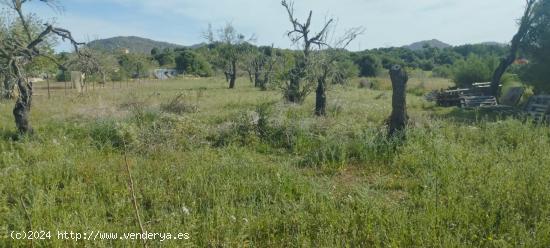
x,y
387,22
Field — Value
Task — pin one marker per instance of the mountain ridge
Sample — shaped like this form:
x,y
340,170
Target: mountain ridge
x,y
134,44
435,43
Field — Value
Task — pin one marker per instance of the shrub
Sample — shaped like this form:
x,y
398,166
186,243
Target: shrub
x,y
380,84
444,71
179,105
472,70
336,150
113,134
240,130
192,63
426,65
369,65
345,70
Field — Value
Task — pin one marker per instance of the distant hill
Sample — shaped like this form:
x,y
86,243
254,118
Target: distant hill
x,y
132,43
432,43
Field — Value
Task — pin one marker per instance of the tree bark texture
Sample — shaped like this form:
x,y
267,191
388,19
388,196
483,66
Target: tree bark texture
x,y
23,107
233,74
398,118
321,96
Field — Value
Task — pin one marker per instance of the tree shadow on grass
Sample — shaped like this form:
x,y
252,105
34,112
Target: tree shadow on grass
x,y
12,135
6,134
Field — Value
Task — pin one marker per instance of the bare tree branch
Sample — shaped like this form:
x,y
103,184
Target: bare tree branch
x,y
17,52
302,31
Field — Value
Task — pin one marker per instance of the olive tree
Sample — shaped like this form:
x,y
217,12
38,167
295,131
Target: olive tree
x,y
316,62
301,34
19,49
260,65
537,47
328,69
231,47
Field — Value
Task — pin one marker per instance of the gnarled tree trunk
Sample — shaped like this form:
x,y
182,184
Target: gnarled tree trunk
x,y
257,78
226,73
398,118
23,107
267,76
293,91
501,69
321,99
233,74
321,96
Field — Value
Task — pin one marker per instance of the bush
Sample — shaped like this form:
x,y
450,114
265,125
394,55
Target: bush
x,y
380,84
444,71
192,63
427,65
369,65
472,70
240,130
335,151
113,134
179,105
345,70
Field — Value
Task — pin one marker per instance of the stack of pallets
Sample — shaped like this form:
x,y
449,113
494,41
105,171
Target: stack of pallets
x,y
477,101
448,98
538,108
479,95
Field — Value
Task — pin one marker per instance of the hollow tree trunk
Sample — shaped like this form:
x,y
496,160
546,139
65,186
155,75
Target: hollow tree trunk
x,y
233,74
398,118
22,107
321,98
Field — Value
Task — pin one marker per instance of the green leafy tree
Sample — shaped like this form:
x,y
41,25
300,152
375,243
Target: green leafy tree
x,y
166,58
19,49
473,70
301,82
193,63
135,65
537,46
230,46
369,65
38,67
261,63
343,68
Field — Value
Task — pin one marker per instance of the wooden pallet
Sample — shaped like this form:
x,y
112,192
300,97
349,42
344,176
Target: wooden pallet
x,y
538,108
477,101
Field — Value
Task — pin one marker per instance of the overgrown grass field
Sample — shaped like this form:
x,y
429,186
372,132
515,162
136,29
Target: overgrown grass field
x,y
241,168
